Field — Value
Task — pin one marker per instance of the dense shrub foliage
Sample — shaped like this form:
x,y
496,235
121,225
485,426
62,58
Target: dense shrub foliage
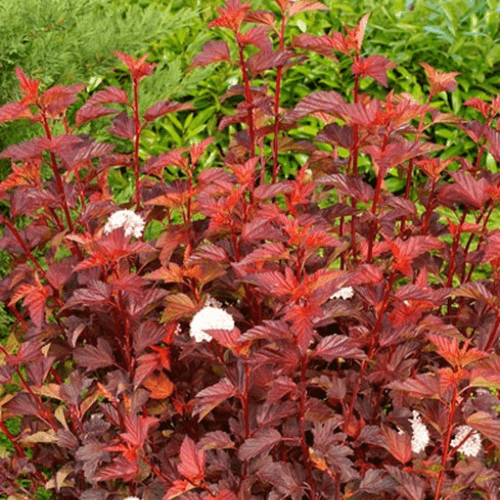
x,y
238,331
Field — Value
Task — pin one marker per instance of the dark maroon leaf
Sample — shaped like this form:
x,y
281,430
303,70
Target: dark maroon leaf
x,y
316,101
120,468
92,357
92,454
216,440
284,478
209,398
487,425
410,485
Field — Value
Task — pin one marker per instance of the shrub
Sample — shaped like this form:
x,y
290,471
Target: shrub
x,y
236,334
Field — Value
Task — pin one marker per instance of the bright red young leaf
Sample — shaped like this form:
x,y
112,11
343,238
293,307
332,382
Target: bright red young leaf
x,y
137,428
374,66
14,111
440,81
231,16
29,87
192,465
305,5
138,68
483,107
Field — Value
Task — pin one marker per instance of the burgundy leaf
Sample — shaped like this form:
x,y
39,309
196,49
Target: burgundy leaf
x,y
216,440
320,100
14,111
120,468
268,59
163,108
410,485
337,346
92,454
337,134
259,445
123,126
92,357
209,398
109,95
87,113
212,51
137,429
26,150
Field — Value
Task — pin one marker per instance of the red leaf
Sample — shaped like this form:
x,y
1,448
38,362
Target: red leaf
x,y
268,59
178,488
258,37
26,150
123,126
109,95
337,346
88,113
209,398
92,357
304,5
337,134
483,107
199,148
120,468
192,464
316,101
260,17
159,385
162,108
374,66
213,51
137,429
14,111
440,81
232,16
28,86
261,444
411,487
216,440
35,301
466,190
493,137
138,68
422,386
324,45
399,445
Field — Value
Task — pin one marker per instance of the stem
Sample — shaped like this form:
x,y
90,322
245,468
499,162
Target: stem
x,y
249,99
137,138
302,430
373,225
446,444
454,248
276,127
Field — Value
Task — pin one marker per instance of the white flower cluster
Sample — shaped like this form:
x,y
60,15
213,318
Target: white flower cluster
x,y
209,318
472,446
132,498
211,302
420,438
344,293
129,220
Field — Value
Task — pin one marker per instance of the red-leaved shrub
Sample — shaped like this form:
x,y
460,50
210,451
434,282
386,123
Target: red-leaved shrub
x,y
319,337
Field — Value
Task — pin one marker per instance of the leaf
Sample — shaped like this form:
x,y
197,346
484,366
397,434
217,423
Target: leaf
x,y
138,68
92,454
163,108
178,306
259,445
337,346
178,488
410,485
316,101
210,397
123,126
440,81
26,150
216,440
92,357
41,437
374,66
14,111
120,468
487,425
213,51
192,464
424,385
305,5
109,95
28,86
399,445
88,113
160,385
466,190
137,429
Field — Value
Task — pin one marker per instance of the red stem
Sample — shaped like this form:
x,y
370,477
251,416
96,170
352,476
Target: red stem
x,y
249,99
137,137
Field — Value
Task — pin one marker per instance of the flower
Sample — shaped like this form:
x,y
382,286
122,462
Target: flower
x,y
211,302
344,293
209,318
472,446
129,220
420,438
132,498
